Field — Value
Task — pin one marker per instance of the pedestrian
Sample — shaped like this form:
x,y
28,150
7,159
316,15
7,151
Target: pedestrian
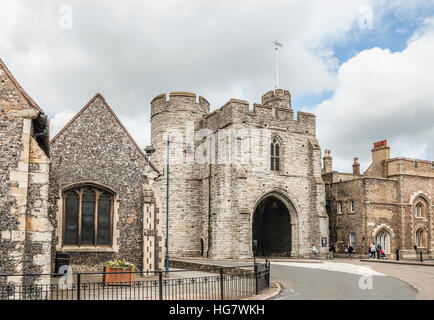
x,y
315,253
378,248
350,250
372,250
332,250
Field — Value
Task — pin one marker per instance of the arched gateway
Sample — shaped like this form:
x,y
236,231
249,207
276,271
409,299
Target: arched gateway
x,y
274,230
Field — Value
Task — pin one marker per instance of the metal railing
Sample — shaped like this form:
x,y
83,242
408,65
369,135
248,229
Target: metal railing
x,y
151,285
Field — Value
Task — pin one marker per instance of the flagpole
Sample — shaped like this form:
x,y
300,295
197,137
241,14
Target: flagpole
x,y
276,53
277,67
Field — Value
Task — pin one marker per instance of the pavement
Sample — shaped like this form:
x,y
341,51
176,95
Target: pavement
x,y
402,262
268,294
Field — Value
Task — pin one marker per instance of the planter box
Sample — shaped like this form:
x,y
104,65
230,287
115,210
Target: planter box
x,y
118,279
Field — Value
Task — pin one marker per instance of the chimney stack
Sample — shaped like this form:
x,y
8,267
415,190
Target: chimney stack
x,y
356,166
380,152
327,162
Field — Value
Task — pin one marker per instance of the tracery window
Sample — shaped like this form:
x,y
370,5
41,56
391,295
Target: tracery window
x,y
420,238
88,215
418,209
383,238
275,155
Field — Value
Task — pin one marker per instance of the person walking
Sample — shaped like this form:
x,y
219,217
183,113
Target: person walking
x,y
332,250
378,248
315,253
350,250
372,250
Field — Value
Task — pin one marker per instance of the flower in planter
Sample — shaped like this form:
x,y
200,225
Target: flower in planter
x,y
120,263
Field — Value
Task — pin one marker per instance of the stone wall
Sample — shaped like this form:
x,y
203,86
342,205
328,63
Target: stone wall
x,y
24,168
95,148
385,197
213,202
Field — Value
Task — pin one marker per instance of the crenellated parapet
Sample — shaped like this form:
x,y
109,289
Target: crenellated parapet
x,y
277,98
274,113
179,101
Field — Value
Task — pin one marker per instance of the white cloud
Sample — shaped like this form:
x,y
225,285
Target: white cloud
x,y
382,95
134,50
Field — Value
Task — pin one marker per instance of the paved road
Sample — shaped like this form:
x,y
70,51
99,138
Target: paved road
x,y
419,277
336,281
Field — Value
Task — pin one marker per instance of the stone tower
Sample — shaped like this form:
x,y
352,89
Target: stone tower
x,y
236,197
176,117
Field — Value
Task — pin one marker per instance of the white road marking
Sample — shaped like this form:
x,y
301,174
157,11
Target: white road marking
x,y
334,266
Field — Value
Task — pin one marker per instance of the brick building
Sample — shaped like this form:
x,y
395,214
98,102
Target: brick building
x,y
390,203
242,181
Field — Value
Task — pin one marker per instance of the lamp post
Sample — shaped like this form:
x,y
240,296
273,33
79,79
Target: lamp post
x,y
167,206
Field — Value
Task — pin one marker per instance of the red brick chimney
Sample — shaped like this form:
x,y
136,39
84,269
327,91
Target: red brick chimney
x,y
380,152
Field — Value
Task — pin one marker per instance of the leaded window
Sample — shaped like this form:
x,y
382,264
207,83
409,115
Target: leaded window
x,y
420,238
275,155
88,216
383,238
418,209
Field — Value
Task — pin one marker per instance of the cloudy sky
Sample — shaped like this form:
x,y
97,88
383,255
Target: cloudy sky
x,y
365,68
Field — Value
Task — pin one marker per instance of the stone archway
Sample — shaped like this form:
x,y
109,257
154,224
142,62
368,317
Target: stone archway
x,y
383,238
273,229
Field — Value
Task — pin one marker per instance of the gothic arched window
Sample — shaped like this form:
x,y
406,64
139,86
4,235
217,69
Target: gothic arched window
x,y
275,155
88,216
383,238
418,210
420,238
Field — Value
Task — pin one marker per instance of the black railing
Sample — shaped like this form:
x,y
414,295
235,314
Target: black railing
x,y
221,284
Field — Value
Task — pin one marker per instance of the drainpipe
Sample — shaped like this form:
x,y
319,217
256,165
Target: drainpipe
x,y
209,212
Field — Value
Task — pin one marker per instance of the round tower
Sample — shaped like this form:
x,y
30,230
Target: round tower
x,y
176,118
278,97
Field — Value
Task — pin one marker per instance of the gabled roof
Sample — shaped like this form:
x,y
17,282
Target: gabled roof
x,y
98,95
29,99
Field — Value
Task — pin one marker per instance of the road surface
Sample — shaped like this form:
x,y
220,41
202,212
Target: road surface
x,y
337,281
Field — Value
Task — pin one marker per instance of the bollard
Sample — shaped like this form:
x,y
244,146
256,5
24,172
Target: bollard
x,y
420,252
78,285
160,284
256,279
397,254
222,293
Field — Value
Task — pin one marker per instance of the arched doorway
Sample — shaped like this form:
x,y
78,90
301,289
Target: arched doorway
x,y
383,238
271,230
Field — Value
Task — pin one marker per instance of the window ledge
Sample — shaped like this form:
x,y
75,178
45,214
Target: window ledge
x,y
87,249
